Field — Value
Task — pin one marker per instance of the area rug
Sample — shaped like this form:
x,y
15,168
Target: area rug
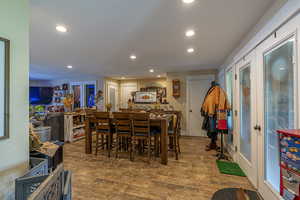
x,y
230,168
232,194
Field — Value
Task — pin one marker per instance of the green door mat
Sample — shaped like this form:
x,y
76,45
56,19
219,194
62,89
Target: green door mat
x,y
230,168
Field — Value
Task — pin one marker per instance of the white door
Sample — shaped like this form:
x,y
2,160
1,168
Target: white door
x,y
278,96
126,91
246,98
113,96
197,88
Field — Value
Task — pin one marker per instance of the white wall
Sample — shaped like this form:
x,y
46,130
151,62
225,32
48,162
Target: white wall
x,y
14,151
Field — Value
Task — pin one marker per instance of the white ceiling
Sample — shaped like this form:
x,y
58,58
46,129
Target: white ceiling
x,y
102,35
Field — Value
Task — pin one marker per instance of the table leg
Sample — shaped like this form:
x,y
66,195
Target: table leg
x,y
88,137
164,142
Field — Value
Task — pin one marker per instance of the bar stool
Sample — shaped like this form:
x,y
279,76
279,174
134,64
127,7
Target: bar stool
x,y
141,132
123,132
103,132
174,134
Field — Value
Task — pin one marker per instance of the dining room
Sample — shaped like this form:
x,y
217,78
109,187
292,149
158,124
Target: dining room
x,y
149,100
141,154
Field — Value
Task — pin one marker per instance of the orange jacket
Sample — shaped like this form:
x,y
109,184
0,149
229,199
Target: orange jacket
x,y
216,103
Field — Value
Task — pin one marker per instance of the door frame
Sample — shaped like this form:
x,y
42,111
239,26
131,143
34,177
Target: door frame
x,y
232,149
88,83
82,90
250,168
284,34
211,77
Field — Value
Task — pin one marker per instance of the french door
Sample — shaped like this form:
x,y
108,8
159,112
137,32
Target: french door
x,y
229,87
277,92
246,107
84,93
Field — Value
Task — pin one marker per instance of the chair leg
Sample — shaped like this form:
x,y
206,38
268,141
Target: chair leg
x,y
175,147
97,143
133,149
108,144
117,146
157,145
149,149
129,147
102,141
179,151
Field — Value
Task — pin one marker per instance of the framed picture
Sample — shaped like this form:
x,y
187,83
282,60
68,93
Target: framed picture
x,y
65,86
145,97
4,87
176,88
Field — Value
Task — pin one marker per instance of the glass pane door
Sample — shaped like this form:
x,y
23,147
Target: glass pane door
x,y
90,95
229,91
77,95
278,104
245,113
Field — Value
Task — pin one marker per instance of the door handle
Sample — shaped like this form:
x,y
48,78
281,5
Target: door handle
x,y
191,110
257,127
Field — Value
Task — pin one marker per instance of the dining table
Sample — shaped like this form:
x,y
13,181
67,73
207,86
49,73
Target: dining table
x,y
161,122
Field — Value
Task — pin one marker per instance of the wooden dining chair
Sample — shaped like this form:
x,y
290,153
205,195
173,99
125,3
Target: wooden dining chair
x,y
141,132
103,132
174,134
123,132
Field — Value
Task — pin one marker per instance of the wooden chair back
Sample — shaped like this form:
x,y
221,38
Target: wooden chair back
x,y
89,111
124,110
102,120
141,124
123,122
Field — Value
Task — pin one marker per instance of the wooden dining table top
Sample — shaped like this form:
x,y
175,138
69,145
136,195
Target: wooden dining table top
x,y
167,117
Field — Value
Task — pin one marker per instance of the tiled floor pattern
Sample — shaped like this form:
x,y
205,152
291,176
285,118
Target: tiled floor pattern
x,y
193,177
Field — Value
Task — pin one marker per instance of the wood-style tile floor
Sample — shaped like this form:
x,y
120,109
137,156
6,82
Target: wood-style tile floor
x,y
193,177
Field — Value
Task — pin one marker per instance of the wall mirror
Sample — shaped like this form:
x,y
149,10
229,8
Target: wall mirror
x,y
4,88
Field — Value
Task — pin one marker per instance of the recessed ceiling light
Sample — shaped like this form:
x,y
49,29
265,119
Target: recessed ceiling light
x,y
158,76
61,28
123,78
188,1
190,50
69,66
189,33
151,70
133,57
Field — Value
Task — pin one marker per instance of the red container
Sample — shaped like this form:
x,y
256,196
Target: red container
x,y
289,145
